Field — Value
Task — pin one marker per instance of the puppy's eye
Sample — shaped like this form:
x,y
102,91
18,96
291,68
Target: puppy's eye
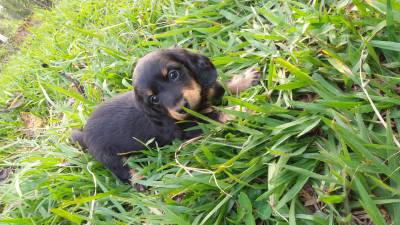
x,y
173,75
154,99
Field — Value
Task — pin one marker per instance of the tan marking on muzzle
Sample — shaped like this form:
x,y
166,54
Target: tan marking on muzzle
x,y
192,94
177,116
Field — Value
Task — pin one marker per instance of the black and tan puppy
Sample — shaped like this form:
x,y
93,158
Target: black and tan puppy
x,y
164,82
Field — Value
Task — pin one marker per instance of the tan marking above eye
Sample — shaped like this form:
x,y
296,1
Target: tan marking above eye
x,y
210,93
164,71
148,93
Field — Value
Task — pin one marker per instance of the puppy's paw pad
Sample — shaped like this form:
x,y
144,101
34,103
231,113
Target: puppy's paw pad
x,y
255,82
254,75
139,187
251,71
224,117
135,176
240,83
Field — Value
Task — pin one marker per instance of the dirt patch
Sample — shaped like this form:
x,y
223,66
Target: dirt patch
x,y
25,15
13,43
22,32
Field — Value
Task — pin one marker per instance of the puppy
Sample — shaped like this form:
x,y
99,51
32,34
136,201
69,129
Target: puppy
x,y
164,82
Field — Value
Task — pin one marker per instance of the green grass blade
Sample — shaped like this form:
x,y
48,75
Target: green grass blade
x,y
368,204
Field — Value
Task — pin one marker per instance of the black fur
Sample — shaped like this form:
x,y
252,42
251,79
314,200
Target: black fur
x,y
123,123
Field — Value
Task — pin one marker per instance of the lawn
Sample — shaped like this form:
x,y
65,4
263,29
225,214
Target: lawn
x,y
321,146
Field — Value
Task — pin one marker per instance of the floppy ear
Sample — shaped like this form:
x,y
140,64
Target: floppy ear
x,y
205,71
202,67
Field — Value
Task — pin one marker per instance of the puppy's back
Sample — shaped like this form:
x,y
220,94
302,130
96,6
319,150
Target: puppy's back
x,y
113,123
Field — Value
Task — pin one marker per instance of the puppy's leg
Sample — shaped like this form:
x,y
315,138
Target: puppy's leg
x,y
135,176
240,83
116,164
235,86
77,137
225,117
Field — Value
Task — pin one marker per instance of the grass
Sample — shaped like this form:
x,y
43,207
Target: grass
x,y
321,147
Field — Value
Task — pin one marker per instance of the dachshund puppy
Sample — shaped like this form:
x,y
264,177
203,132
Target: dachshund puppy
x,y
164,82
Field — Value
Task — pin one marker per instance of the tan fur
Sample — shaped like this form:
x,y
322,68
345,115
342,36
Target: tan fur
x,y
240,83
176,115
164,71
207,110
135,175
148,92
225,117
210,93
192,94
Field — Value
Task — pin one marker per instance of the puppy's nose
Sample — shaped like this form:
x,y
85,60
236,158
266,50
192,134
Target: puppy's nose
x,y
186,105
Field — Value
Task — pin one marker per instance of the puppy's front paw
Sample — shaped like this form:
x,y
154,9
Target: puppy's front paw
x,y
136,176
225,117
139,187
240,83
253,76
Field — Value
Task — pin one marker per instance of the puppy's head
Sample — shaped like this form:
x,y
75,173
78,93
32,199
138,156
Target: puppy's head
x,y
169,79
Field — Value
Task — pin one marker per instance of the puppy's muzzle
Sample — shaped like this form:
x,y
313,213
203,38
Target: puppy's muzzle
x,y
177,112
185,104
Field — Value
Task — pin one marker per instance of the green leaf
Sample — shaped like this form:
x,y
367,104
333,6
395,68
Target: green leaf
x,y
390,20
368,204
291,85
72,94
264,108
341,104
388,45
292,213
205,118
230,16
304,77
293,191
172,32
68,215
309,127
332,199
309,173
271,73
262,209
245,202
115,53
85,199
343,68
16,221
215,209
249,219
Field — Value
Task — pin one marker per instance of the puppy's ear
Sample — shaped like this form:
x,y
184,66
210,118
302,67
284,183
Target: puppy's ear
x,y
205,71
200,65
